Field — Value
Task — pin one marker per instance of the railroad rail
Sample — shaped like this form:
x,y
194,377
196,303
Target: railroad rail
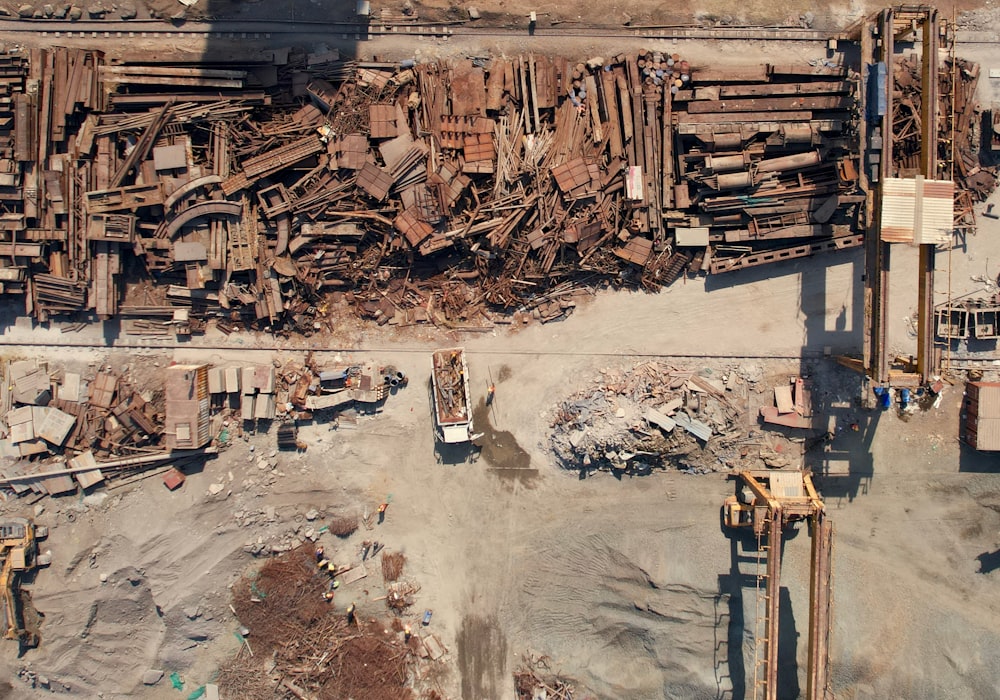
x,y
268,29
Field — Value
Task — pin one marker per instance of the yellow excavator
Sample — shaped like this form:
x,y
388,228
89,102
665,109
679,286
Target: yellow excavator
x,y
768,501
18,558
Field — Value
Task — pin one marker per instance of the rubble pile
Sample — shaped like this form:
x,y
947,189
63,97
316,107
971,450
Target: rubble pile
x,y
660,416
534,679
63,430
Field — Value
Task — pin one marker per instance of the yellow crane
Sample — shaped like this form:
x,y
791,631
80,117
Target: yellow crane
x,y
18,557
768,501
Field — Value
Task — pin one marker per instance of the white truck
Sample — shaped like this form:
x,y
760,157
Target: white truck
x,y
452,404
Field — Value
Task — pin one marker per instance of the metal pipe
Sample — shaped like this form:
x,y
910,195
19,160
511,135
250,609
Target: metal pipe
x,y
124,462
734,181
795,161
725,164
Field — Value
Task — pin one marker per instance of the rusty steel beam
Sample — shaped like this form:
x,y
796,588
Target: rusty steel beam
x,y
770,104
831,87
926,364
169,229
773,604
820,582
770,256
187,188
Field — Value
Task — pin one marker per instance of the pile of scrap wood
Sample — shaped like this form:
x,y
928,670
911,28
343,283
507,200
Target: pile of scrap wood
x,y
792,405
534,679
452,192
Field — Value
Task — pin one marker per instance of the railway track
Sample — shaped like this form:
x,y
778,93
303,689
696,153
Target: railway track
x,y
260,29
271,29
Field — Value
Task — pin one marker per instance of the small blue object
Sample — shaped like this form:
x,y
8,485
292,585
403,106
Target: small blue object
x,y
427,617
904,397
884,399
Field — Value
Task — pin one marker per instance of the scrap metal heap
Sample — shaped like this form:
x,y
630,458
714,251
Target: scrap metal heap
x,y
957,80
259,194
63,430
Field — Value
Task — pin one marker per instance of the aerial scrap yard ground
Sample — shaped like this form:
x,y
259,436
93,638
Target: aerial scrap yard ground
x,y
641,242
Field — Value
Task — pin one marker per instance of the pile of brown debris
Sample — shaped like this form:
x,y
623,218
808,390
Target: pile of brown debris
x,y
299,643
657,415
534,679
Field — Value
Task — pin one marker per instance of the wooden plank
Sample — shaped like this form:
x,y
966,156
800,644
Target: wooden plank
x,y
667,160
592,104
524,96
494,84
783,398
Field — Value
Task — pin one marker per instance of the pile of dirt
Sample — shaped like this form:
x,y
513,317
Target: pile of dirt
x,y
628,620
120,622
654,416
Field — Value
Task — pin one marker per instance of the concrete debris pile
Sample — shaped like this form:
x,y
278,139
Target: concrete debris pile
x,y
457,193
658,416
316,649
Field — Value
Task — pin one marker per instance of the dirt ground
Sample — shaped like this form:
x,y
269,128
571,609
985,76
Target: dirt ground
x,y
630,586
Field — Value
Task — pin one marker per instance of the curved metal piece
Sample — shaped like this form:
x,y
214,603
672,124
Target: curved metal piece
x,y
171,228
284,224
190,187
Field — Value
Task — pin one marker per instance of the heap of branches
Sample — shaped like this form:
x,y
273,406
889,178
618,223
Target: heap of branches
x,y
533,678
392,566
315,649
344,525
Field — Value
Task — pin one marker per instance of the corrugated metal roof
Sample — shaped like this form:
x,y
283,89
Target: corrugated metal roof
x,y
930,223
987,434
989,399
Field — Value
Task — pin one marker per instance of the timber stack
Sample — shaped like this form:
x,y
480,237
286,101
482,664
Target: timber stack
x,y
460,193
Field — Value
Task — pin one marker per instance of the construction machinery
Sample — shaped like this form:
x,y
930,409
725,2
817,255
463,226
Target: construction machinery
x,y
18,558
768,501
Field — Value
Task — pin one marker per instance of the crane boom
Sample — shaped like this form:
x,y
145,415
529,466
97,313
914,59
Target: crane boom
x,y
767,501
